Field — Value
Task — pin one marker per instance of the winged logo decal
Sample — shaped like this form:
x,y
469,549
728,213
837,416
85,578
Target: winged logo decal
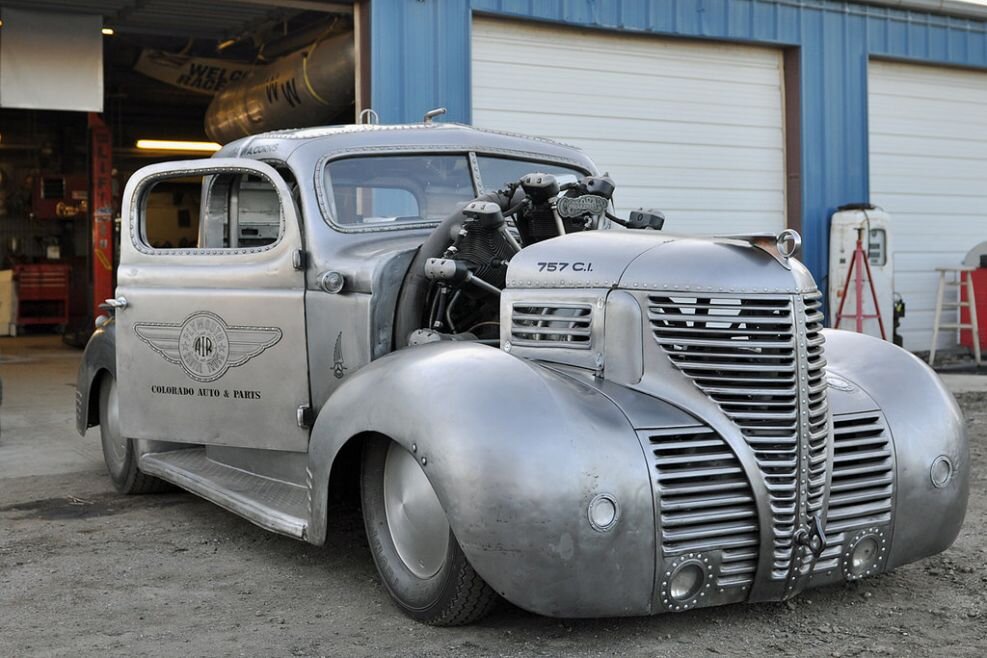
x,y
204,345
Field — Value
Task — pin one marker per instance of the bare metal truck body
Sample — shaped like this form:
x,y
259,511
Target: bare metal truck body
x,y
629,423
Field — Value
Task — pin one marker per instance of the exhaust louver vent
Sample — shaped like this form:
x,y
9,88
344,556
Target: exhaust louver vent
x,y
706,502
745,353
552,325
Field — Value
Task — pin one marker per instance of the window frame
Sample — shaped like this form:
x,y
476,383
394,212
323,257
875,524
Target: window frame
x,y
209,169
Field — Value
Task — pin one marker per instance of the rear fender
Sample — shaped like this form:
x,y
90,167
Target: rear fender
x,y
515,453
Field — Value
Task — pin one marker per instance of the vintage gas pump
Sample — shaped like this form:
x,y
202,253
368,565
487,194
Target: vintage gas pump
x,y
873,226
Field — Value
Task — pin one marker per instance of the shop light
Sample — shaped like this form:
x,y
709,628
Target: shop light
x,y
107,31
175,145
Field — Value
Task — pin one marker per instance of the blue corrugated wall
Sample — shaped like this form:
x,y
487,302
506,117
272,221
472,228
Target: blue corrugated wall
x,y
421,59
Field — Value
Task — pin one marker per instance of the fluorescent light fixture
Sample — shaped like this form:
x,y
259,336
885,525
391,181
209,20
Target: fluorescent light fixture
x,y
174,145
107,31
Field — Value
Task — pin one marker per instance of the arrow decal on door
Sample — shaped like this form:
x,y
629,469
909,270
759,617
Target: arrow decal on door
x,y
204,345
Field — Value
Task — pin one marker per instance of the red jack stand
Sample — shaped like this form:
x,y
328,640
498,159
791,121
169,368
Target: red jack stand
x,y
858,265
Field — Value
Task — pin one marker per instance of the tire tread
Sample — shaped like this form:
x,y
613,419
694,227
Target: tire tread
x,y
473,600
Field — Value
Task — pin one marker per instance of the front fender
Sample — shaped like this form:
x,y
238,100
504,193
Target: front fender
x,y
515,453
925,423
99,356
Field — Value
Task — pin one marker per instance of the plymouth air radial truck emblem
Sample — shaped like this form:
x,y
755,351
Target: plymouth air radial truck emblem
x,y
338,367
204,345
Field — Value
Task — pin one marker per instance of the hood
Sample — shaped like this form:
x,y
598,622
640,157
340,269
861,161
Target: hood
x,y
656,261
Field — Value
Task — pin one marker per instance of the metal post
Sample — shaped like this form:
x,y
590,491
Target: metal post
x,y
101,205
858,281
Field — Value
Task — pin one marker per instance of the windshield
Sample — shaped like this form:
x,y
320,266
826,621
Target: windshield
x,y
390,190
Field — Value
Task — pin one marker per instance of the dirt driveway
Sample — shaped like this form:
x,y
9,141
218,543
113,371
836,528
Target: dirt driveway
x,y
84,571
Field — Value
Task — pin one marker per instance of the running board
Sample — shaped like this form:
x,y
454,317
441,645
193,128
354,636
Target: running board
x,y
273,505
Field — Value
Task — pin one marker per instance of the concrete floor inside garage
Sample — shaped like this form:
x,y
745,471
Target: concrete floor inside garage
x,y
85,571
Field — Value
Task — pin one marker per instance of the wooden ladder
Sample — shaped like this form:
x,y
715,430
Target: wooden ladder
x,y
960,276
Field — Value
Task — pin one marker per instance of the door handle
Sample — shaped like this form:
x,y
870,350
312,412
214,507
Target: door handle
x,y
118,303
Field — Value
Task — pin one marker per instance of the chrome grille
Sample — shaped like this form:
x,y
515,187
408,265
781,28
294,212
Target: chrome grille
x,y
705,501
863,480
745,353
551,325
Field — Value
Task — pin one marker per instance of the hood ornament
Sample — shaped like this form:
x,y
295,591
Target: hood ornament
x,y
788,242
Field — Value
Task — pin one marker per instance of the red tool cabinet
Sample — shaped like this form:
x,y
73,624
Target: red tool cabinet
x,y
42,294
980,295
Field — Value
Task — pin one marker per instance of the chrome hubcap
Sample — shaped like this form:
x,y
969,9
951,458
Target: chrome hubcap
x,y
415,518
114,443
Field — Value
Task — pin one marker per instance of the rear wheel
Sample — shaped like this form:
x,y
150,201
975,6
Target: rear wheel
x,y
419,560
118,450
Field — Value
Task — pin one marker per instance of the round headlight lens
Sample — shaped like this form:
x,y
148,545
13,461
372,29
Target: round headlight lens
x,y
864,555
942,470
686,582
603,512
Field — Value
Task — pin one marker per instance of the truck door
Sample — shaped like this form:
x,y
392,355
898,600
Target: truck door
x,y
210,337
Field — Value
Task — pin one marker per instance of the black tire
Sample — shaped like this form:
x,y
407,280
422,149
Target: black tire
x,y
118,452
454,596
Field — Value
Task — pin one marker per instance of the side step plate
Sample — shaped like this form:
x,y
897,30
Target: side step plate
x,y
273,505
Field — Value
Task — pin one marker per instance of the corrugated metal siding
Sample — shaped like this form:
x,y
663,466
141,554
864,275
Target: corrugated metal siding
x,y
835,41
420,59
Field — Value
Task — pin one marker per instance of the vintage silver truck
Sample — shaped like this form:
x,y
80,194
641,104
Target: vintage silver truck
x,y
527,399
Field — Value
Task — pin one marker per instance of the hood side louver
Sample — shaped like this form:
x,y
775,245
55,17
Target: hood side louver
x,y
552,325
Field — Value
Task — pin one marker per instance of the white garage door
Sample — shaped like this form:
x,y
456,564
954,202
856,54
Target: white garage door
x,y
928,169
692,128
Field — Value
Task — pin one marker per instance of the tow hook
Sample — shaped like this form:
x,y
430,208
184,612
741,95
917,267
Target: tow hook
x,y
814,539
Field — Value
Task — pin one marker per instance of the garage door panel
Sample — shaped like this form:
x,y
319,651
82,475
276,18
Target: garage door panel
x,y
647,109
969,149
906,111
645,133
692,128
495,79
936,208
913,86
699,179
928,169
909,169
568,48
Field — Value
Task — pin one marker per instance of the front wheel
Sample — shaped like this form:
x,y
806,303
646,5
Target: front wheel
x,y
118,450
417,555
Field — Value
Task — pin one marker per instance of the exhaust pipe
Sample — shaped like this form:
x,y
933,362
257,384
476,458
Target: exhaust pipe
x,y
305,88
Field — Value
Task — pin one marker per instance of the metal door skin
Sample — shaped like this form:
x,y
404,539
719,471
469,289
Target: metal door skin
x,y
211,343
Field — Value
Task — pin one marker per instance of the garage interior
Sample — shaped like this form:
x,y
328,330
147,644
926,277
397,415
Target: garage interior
x,y
175,83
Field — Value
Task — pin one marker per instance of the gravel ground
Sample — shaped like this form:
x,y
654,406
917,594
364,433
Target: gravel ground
x,y
84,571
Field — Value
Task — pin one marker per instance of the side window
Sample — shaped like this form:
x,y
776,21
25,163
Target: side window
x,y
216,211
